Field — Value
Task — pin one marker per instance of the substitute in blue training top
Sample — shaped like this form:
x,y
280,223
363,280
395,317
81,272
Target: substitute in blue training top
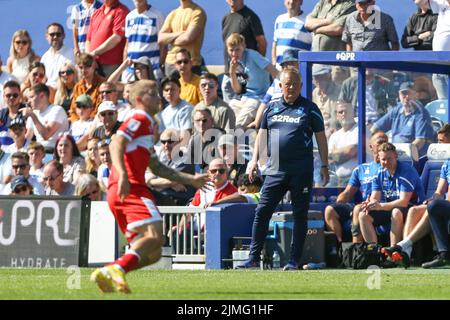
x,y
287,126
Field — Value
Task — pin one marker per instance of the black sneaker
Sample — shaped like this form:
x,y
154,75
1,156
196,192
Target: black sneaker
x,y
249,264
389,264
439,261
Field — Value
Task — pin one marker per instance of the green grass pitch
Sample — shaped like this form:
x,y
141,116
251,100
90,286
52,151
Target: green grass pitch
x,y
231,284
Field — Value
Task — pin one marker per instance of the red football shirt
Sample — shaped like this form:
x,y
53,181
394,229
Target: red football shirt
x,y
138,130
103,26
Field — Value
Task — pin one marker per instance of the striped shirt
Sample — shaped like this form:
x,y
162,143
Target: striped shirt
x,y
290,33
81,19
141,31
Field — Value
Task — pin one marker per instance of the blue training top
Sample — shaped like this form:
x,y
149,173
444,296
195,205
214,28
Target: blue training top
x,y
362,177
445,171
290,129
405,179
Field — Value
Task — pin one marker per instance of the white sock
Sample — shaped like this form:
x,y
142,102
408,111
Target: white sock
x,y
406,245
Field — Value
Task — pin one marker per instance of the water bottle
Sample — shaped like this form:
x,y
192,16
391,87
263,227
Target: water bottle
x,y
314,266
276,260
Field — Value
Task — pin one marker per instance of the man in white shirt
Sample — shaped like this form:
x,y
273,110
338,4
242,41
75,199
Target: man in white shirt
x,y
57,54
343,144
46,121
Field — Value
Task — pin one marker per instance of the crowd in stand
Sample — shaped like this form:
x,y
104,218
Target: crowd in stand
x,y
59,112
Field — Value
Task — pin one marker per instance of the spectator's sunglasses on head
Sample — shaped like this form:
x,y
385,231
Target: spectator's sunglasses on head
x,y
210,85
22,42
185,61
220,171
67,72
50,178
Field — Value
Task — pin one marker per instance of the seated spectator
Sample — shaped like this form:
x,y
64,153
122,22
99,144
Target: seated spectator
x,y
20,187
13,101
339,74
167,192
82,128
89,84
360,181
343,144
53,180
105,165
248,192
107,113
17,131
189,81
409,122
36,152
92,158
20,165
67,78
178,113
35,76
4,78
249,78
368,29
392,194
141,70
5,169
325,95
229,151
417,223
423,86
21,55
45,121
203,144
221,112
108,92
419,30
57,55
67,153
88,187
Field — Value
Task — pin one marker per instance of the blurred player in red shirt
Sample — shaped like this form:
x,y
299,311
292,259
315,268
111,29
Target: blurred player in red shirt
x,y
130,200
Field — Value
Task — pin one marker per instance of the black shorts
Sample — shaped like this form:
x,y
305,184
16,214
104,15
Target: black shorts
x,y
383,217
344,210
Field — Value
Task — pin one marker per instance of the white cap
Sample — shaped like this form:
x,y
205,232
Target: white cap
x,y
106,106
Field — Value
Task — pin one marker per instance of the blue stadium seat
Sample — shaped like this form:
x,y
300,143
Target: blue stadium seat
x,y
438,109
437,154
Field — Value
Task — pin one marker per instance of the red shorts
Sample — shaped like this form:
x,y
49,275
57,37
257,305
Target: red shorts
x,y
137,209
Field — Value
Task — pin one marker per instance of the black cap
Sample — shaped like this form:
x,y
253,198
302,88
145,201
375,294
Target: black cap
x,y
17,121
19,181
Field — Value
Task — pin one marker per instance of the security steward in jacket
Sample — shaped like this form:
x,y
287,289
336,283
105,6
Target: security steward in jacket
x,y
287,126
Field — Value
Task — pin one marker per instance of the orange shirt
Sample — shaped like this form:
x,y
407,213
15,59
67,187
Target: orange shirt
x,y
190,91
93,91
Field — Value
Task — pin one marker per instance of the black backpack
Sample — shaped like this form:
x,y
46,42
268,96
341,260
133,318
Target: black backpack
x,y
359,255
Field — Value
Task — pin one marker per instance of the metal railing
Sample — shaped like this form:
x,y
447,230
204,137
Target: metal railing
x,y
183,227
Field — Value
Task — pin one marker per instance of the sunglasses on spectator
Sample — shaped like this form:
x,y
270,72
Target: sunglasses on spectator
x,y
210,85
19,166
201,120
66,72
22,42
107,113
214,171
11,95
38,75
185,61
167,141
55,34
20,189
83,106
50,178
107,91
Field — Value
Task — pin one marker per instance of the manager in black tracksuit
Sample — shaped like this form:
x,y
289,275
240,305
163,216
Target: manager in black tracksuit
x,y
289,123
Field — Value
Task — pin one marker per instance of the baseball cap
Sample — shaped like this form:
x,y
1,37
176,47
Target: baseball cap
x,y
405,86
106,106
319,69
143,60
85,100
17,121
227,139
289,55
19,181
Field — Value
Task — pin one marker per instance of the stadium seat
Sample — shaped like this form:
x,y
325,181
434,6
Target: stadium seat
x,y
438,109
437,154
